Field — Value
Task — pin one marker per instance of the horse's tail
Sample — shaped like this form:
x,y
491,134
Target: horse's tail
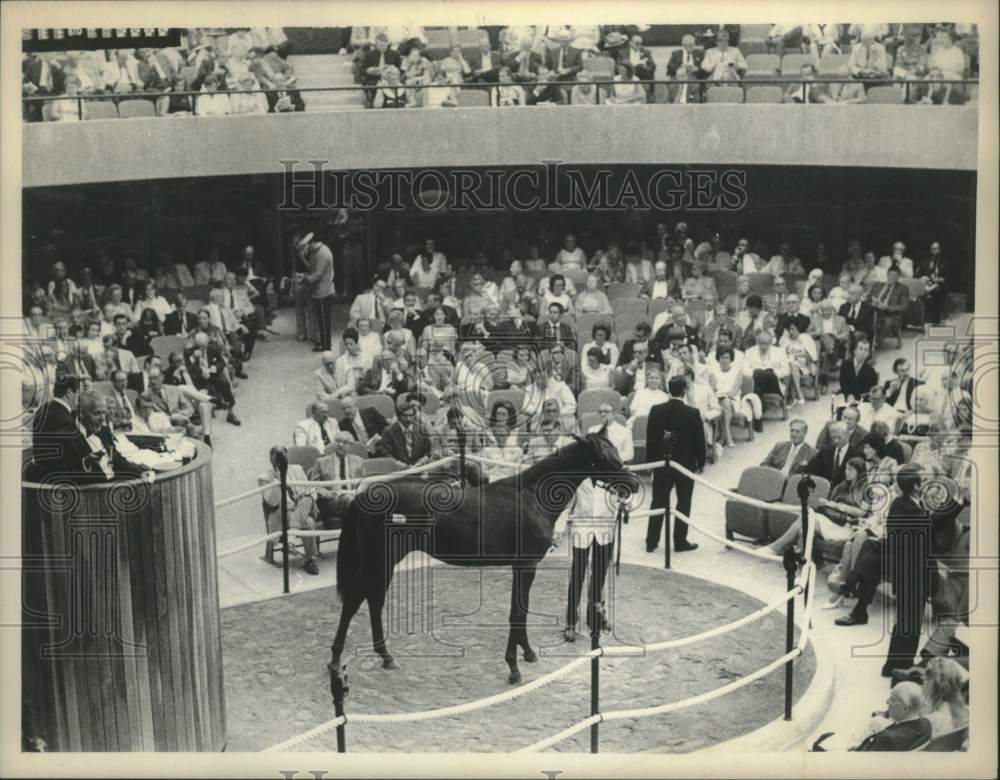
x,y
349,554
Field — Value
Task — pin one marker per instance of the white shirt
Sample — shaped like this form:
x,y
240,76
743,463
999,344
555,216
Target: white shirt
x,y
596,378
905,266
348,368
727,383
645,399
660,289
775,359
792,452
307,433
424,277
885,413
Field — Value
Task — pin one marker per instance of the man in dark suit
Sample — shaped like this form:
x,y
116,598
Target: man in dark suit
x,y
684,423
375,61
79,451
683,65
891,302
850,416
362,424
792,456
829,461
39,76
180,322
485,62
857,313
553,330
403,439
564,61
899,391
639,57
641,336
632,375
524,64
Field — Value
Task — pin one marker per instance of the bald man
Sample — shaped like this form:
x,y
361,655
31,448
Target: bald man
x,y
336,464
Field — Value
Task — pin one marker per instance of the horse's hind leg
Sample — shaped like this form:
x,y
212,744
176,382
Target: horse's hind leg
x,y
527,578
350,606
376,601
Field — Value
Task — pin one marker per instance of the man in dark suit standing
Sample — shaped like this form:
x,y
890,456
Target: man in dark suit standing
x,y
180,322
403,440
829,462
684,424
792,456
361,424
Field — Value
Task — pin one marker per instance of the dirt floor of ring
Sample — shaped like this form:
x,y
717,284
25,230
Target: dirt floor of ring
x,y
450,650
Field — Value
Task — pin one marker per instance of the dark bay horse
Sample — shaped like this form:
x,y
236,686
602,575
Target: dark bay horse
x,y
505,523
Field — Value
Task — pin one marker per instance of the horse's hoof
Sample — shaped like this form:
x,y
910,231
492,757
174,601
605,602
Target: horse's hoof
x,y
514,678
530,656
389,663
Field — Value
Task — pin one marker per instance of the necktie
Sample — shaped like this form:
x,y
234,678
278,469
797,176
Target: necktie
x,y
183,321
359,429
343,467
325,435
232,300
837,460
786,469
561,51
127,406
409,444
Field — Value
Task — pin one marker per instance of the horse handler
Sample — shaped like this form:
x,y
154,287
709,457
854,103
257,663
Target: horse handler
x,y
591,526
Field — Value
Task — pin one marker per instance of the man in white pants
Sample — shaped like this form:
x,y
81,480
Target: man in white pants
x,y
591,528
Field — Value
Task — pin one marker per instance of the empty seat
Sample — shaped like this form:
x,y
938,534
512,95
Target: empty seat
x,y
591,400
754,48
829,63
99,109
625,325
473,97
131,109
791,64
590,419
629,306
622,290
763,63
380,402
770,94
305,457
373,467
889,95
778,521
725,95
762,483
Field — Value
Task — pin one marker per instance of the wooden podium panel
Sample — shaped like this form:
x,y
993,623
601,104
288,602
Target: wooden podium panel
x,y
121,644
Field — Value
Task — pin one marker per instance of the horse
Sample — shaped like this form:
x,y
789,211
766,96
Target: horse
x,y
504,523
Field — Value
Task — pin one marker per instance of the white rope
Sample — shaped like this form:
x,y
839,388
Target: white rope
x,y
248,545
762,554
734,496
305,736
656,464
441,712
564,734
241,496
662,709
670,644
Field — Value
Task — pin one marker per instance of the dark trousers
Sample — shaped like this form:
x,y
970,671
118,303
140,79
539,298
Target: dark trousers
x,y
332,510
934,305
765,381
684,487
324,311
220,387
598,571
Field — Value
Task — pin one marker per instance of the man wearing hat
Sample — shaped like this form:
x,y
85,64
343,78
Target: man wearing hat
x,y
320,280
564,61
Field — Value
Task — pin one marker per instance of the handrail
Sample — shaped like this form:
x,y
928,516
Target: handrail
x,y
742,83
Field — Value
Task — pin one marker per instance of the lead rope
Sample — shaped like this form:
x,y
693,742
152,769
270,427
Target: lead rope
x,y
622,518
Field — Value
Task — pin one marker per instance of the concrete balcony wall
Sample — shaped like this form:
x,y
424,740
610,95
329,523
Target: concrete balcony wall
x,y
880,136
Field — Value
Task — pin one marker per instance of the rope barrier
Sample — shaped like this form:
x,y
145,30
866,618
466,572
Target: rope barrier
x,y
735,496
441,712
743,548
247,494
645,712
256,542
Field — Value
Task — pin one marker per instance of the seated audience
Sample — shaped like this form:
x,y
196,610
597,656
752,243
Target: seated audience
x,y
336,464
403,439
792,456
301,503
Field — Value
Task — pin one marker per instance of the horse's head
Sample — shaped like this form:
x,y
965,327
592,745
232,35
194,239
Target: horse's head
x,y
607,463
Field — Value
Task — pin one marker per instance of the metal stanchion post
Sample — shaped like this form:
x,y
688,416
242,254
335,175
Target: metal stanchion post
x,y
282,459
595,673
791,565
668,535
339,691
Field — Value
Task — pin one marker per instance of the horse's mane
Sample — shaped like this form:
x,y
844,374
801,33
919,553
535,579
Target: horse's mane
x,y
565,459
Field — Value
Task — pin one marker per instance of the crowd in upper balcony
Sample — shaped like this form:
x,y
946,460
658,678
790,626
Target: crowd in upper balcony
x,y
247,71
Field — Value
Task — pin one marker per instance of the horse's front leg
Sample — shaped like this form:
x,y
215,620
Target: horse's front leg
x,y
376,601
527,575
516,620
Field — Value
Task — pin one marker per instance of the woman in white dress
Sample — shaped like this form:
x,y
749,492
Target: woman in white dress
x,y
571,256
645,398
601,340
803,357
592,299
626,89
596,375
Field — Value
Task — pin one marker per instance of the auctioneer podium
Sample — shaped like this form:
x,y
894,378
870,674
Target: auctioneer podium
x,y
121,642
